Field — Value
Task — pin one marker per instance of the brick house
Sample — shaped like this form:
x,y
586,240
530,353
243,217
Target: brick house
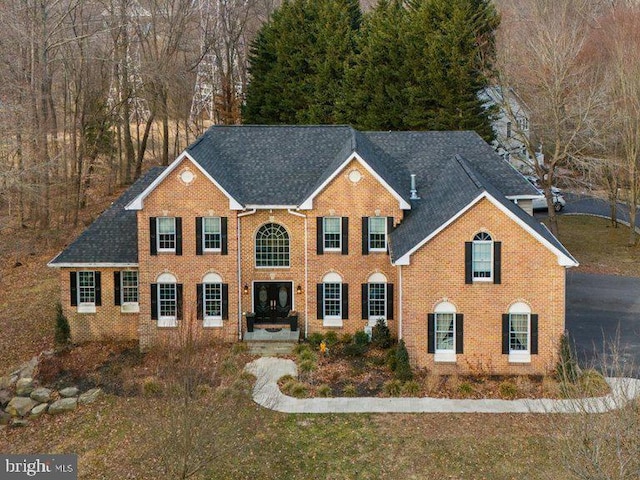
x,y
430,231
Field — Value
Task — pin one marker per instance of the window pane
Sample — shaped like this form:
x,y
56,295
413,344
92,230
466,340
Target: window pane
x,y
166,225
86,287
167,299
129,286
332,299
444,331
482,259
166,233
377,304
377,233
332,232
211,233
519,332
212,300
272,246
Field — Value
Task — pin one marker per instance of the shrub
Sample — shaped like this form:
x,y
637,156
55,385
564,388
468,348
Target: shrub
x,y
151,387
315,339
300,347
307,366
331,338
567,369
349,390
391,359
361,338
306,355
403,367
229,367
392,388
380,334
592,383
324,390
465,389
298,390
346,338
62,329
354,350
411,389
508,390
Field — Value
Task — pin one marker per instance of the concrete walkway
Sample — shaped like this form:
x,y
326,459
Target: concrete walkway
x,y
267,394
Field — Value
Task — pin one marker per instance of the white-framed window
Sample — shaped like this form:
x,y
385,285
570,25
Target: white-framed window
x,y
482,257
211,234
445,332
166,234
377,234
377,297
212,300
272,246
167,301
332,298
86,291
332,231
520,333
129,291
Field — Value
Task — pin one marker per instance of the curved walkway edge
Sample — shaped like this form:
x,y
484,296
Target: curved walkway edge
x,y
266,393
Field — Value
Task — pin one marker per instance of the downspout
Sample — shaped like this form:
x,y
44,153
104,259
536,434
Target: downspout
x,y
400,309
306,272
243,214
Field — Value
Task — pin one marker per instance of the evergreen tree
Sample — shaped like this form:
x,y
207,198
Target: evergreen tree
x,y
298,61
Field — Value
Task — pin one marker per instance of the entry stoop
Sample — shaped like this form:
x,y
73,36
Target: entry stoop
x,y
267,341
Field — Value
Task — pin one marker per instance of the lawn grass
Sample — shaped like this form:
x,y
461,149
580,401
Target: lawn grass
x,y
598,247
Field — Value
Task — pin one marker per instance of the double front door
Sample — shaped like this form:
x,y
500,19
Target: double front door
x,y
271,300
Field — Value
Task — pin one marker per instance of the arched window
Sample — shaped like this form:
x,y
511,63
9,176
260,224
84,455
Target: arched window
x,y
445,327
377,298
272,246
482,256
212,300
167,300
332,300
519,331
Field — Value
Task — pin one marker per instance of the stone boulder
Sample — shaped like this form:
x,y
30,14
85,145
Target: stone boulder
x,y
20,406
27,369
63,405
24,387
90,396
19,422
39,409
5,418
5,397
69,392
41,395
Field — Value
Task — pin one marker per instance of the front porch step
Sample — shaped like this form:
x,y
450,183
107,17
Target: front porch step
x,y
270,348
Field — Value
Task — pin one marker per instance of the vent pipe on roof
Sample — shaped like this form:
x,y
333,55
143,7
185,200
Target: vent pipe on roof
x,y
414,191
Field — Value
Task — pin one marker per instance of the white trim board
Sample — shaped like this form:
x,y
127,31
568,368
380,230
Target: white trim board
x,y
138,202
563,259
307,204
91,265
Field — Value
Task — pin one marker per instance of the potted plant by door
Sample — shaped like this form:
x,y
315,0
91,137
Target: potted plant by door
x,y
293,320
251,318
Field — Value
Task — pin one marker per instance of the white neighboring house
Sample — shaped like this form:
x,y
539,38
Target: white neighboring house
x,y
511,126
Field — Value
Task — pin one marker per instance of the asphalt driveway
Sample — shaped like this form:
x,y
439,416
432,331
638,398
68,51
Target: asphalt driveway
x,y
604,310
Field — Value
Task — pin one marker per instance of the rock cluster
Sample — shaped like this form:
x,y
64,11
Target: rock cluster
x,y
21,398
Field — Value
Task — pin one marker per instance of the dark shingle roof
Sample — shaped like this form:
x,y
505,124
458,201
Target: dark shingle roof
x,y
113,236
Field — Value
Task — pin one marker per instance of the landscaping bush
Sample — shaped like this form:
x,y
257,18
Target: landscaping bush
x,y
354,350
411,389
403,367
346,338
381,335
151,387
307,366
349,390
361,338
567,369
465,389
324,390
300,347
592,383
307,355
315,339
392,388
297,389
331,338
391,359
508,390
62,329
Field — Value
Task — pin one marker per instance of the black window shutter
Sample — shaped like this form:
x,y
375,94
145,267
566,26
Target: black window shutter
x,y
199,301
225,301
345,301
98,285
320,300
116,289
497,260
389,230
534,333
468,259
319,235
153,245
505,333
345,235
73,283
431,333
459,333
154,301
198,235
224,237
365,301
389,301
178,235
179,301
365,235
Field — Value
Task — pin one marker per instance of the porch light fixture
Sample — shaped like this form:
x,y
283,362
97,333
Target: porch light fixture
x,y
246,289
299,290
